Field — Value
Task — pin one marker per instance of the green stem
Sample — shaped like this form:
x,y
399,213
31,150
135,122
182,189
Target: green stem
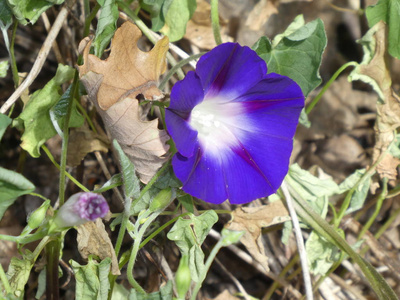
x,y
175,68
51,157
387,224
83,111
207,266
89,20
379,203
347,199
39,196
148,33
215,22
14,69
4,281
52,281
377,282
328,84
63,164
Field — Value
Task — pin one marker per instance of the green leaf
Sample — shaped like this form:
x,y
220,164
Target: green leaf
x,y
115,181
157,9
60,111
165,293
168,180
187,202
296,53
361,191
189,234
19,271
106,26
28,11
321,253
3,68
41,284
12,185
230,237
131,181
36,115
5,15
387,11
176,18
92,279
316,191
4,122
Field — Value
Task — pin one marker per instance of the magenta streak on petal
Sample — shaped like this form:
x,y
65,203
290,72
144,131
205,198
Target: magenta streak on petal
x,y
218,82
243,153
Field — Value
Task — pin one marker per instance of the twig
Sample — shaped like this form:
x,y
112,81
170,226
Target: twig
x,y
248,259
41,58
56,49
300,243
233,278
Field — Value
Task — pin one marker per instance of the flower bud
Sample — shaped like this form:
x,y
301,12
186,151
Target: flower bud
x,y
36,218
81,208
183,279
162,200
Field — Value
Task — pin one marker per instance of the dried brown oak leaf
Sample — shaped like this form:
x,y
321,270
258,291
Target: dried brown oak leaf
x,y
388,106
252,220
93,239
113,84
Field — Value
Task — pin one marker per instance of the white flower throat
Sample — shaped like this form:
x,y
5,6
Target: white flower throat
x,y
213,121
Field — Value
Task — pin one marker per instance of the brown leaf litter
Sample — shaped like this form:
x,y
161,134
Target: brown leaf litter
x,y
252,220
112,85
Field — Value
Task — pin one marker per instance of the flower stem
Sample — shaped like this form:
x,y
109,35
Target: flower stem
x,y
52,282
328,84
207,266
51,157
175,68
14,68
215,22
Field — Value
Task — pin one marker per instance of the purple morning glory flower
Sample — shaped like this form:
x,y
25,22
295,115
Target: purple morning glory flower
x,y
81,208
233,126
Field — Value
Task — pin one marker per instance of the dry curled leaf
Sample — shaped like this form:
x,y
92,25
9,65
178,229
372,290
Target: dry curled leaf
x,y
128,71
252,220
93,239
199,30
388,108
83,141
113,84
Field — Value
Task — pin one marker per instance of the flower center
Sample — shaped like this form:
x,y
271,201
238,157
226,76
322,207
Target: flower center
x,y
214,121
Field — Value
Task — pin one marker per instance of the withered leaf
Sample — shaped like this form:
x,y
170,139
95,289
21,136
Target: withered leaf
x,y
225,295
199,28
252,220
128,71
93,239
113,84
83,141
388,107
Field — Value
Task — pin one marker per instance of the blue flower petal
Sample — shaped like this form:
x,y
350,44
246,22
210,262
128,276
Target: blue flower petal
x,y
185,95
229,70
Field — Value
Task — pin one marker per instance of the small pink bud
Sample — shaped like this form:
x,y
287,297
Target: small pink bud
x,y
81,208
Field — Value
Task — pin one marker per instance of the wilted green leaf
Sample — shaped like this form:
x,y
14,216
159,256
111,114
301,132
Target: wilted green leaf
x,y
158,10
316,191
176,18
131,182
189,234
296,53
321,253
36,115
12,185
92,279
28,11
230,237
106,25
3,68
387,11
19,271
4,122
